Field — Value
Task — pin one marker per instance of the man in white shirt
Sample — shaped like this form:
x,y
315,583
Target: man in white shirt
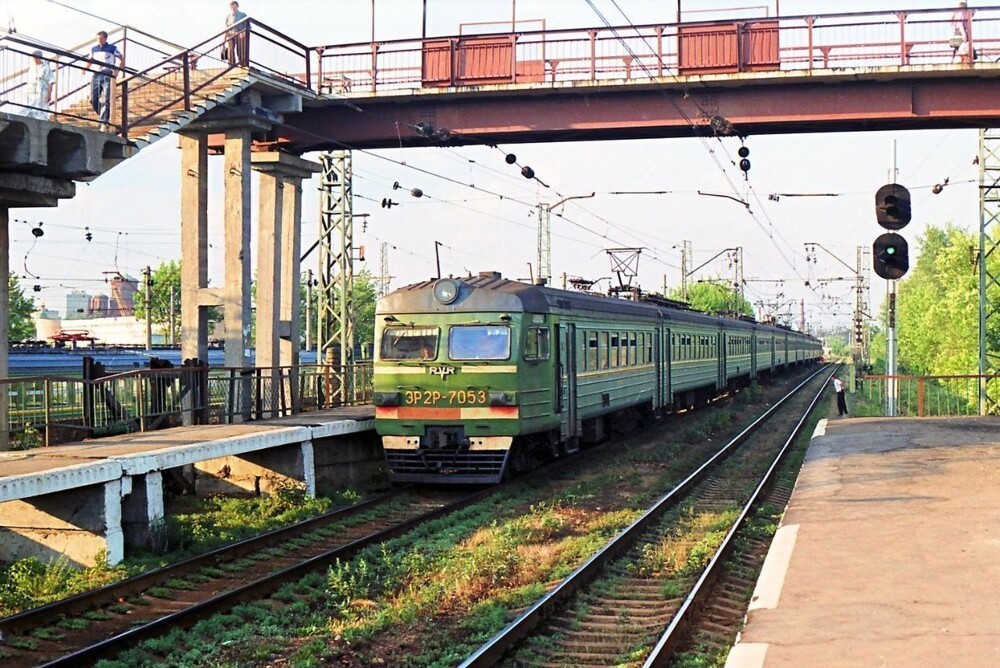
x,y
236,36
838,387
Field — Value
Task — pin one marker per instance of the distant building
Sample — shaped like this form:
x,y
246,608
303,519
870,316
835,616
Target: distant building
x,y
122,300
77,305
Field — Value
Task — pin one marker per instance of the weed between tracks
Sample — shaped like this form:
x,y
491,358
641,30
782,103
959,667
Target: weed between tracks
x,y
209,523
431,597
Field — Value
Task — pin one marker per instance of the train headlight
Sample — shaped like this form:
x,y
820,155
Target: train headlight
x,y
387,398
503,399
446,290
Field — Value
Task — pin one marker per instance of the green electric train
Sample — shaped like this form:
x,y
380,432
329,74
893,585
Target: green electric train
x,y
476,378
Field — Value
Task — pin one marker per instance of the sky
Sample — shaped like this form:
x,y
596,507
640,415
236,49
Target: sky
x,y
133,211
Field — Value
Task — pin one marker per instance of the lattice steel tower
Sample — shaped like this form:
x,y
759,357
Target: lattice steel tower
x,y
336,258
862,289
989,280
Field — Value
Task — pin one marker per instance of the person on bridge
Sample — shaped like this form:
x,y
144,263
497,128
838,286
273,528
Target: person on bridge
x,y
40,88
103,55
961,40
237,35
838,387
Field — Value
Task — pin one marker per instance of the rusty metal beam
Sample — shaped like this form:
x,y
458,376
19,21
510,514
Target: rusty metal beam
x,y
783,106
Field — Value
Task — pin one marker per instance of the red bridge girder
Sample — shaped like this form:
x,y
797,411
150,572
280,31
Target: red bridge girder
x,y
752,105
930,98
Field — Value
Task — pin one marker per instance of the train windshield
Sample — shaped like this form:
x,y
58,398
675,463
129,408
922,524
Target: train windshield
x,y
409,343
479,342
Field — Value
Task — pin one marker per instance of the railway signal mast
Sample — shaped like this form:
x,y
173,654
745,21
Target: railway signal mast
x,y
890,258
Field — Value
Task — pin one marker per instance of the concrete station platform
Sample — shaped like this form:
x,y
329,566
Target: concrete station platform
x,y
78,499
889,552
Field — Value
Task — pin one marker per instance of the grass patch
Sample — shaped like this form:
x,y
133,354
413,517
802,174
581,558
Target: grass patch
x,y
30,583
161,592
73,623
47,634
20,642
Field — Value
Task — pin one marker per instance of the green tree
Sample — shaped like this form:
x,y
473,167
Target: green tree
x,y
21,326
166,280
363,307
715,297
938,307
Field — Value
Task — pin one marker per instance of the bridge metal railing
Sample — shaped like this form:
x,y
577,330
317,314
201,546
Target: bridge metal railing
x,y
823,41
47,410
160,79
922,396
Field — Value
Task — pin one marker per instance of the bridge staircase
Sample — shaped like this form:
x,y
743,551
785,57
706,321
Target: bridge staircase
x,y
164,87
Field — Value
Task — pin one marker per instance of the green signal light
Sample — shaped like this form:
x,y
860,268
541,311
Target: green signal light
x,y
890,250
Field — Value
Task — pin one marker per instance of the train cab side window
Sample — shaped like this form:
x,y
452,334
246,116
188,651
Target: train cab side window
x,y
536,344
613,350
409,343
591,351
605,352
633,349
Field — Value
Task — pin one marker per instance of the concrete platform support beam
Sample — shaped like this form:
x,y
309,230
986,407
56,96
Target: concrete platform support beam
x,y
257,472
236,215
142,511
80,524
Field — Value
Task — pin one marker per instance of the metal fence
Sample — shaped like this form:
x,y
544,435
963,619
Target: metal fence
x,y
50,409
923,396
637,53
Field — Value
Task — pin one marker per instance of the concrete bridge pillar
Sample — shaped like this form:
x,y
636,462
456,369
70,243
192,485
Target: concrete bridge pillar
x,y
194,247
236,225
280,243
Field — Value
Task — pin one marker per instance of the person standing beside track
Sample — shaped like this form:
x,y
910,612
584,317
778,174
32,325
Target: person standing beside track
x,y
838,387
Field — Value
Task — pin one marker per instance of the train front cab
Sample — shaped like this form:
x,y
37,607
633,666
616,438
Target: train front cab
x,y
448,393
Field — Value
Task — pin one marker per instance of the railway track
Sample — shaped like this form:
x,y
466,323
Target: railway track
x,y
632,602
122,614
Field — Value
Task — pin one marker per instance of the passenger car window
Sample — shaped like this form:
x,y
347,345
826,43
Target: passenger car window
x,y
479,342
409,343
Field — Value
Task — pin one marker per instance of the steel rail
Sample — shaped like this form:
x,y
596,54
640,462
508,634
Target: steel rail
x,y
111,593
676,630
495,648
253,591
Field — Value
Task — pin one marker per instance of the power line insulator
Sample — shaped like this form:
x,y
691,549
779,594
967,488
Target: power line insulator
x,y
527,172
510,158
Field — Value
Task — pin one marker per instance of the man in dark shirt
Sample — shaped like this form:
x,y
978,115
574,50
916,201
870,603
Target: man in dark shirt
x,y
103,56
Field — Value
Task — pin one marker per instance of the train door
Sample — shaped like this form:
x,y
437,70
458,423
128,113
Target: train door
x,y
567,386
661,363
753,355
721,362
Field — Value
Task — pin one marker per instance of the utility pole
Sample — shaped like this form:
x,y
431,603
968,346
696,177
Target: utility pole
x,y
148,284
891,344
383,267
687,251
989,247
544,243
336,272
173,315
309,308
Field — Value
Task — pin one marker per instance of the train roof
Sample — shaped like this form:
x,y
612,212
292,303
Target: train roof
x,y
489,292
